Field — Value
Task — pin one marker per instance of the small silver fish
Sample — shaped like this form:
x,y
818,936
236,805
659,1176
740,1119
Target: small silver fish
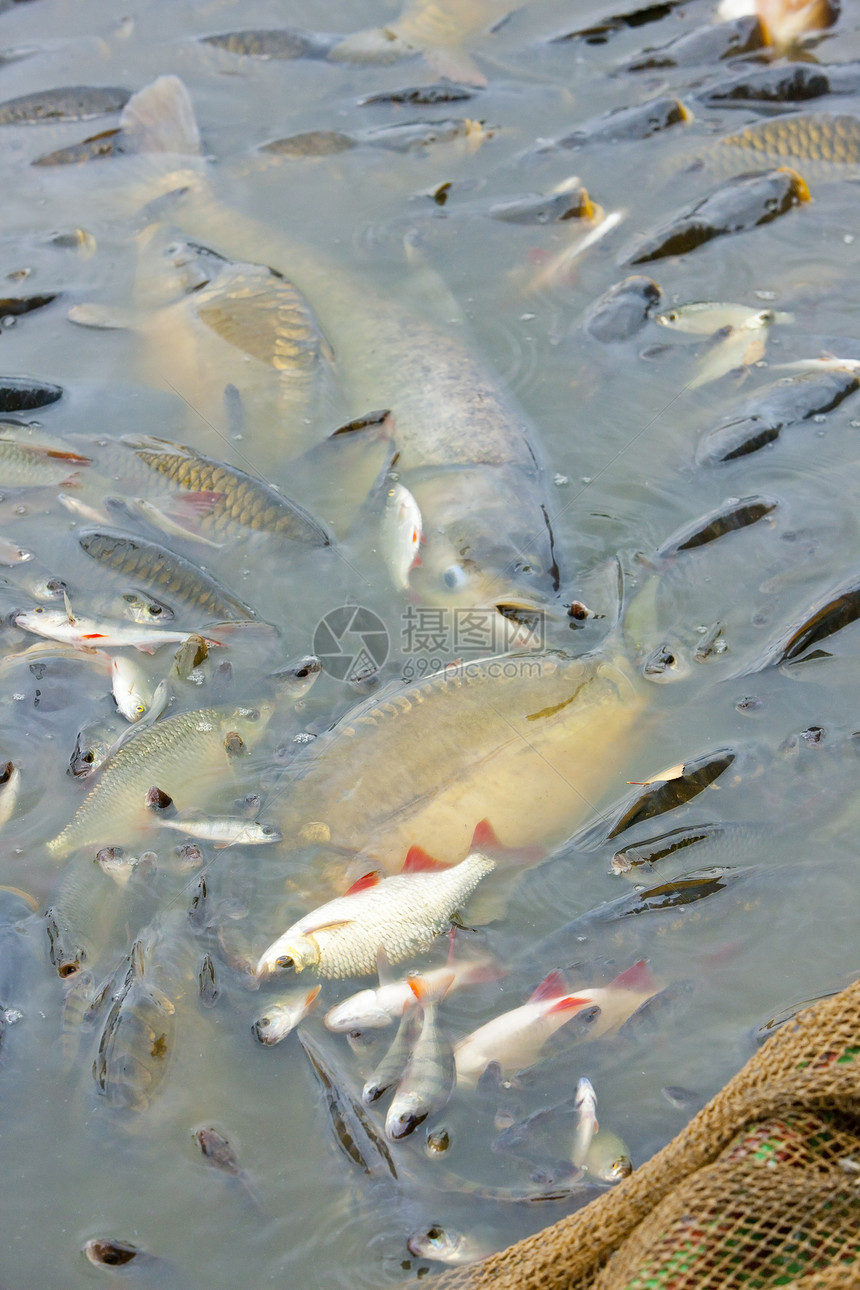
x,y
393,1062
402,530
704,317
445,1245
585,1105
404,914
89,633
223,831
430,1076
280,1018
608,1159
131,688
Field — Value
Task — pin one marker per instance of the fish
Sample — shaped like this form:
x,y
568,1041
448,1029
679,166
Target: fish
x,y
17,306
218,1153
585,1105
733,514
136,1039
166,572
384,1004
761,418
282,1017
223,500
514,1039
567,200
89,633
704,317
602,29
608,1159
740,204
617,1002
64,103
622,310
430,1076
641,857
831,138
401,532
11,553
704,45
92,745
33,466
107,143
353,1128
10,788
783,83
624,124
222,830
23,394
479,739
67,956
131,689
403,914
423,95
185,751
673,787
837,609
393,1062
446,1245
466,453
162,697
401,137
108,1252
273,42
143,608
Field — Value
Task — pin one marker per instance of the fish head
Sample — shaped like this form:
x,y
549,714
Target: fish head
x,y
250,722
435,1242
297,952
487,543
404,1116
171,266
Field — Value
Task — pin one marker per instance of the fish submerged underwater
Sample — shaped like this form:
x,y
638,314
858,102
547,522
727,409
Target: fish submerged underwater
x,y
336,486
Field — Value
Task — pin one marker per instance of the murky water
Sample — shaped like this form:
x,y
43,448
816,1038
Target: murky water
x,y
618,427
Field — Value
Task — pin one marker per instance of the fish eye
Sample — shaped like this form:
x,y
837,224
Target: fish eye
x,y
434,1233
88,757
673,315
38,610
250,714
284,961
267,830
455,576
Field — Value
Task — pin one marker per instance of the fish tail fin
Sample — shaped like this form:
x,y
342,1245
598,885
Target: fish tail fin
x,y
160,118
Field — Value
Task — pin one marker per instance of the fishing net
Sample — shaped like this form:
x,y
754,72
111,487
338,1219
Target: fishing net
x,y
761,1189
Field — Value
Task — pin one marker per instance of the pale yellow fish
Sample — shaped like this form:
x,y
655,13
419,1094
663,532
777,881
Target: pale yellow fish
x,y
188,753
402,528
402,915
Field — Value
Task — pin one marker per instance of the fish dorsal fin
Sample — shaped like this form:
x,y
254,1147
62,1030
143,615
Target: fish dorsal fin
x,y
68,605
485,837
420,861
552,986
425,993
383,967
160,118
637,977
366,881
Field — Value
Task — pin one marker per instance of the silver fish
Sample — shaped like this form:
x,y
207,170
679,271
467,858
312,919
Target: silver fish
x,y
280,1018
404,914
393,1063
585,1105
430,1076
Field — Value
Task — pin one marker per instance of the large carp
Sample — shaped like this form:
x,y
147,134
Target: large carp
x,y
521,748
466,453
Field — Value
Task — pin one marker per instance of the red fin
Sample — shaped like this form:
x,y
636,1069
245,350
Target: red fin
x,y
551,987
567,1004
423,993
487,840
637,977
418,860
196,503
371,879
311,995
67,456
93,636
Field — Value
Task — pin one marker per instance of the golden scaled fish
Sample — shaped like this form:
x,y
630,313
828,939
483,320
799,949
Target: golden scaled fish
x,y
206,322
402,914
188,752
511,751
831,138
466,454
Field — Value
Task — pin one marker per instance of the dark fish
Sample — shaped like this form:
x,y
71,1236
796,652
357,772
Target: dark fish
x,y
15,306
622,310
683,1099
570,203
66,956
398,138
22,393
649,1018
784,83
422,95
136,1040
394,1062
838,610
625,124
807,136
353,1128
674,894
176,577
599,33
738,205
769,1027
274,42
68,103
92,745
108,143
208,991
733,514
704,46
223,498
644,855
759,420
662,795
218,1153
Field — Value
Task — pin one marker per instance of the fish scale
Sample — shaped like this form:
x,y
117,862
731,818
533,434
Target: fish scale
x,y
180,752
244,500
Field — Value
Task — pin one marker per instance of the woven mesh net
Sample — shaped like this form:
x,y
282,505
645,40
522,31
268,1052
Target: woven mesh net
x,y
761,1189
